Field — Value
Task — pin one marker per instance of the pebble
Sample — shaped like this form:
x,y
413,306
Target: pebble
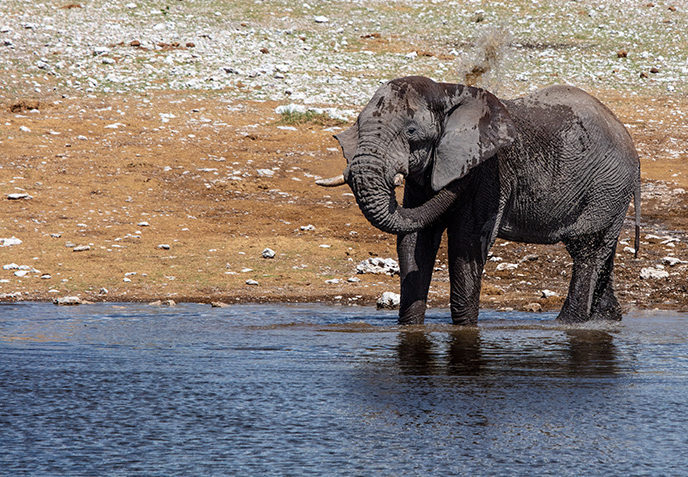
x,y
388,301
19,196
268,253
8,242
307,227
548,293
507,266
672,261
648,273
533,307
333,281
353,280
68,301
164,246
24,129
251,282
81,248
378,266
143,224
218,304
321,19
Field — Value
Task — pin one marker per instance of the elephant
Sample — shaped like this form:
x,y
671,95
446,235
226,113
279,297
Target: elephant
x,y
553,166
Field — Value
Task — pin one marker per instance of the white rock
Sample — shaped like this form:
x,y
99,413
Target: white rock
x,y
321,19
246,270
389,301
251,282
19,196
24,129
81,248
353,280
68,300
21,273
8,242
378,266
268,253
143,224
103,291
507,266
265,172
46,276
100,50
10,266
307,227
672,261
653,273
333,281
131,5
548,293
164,246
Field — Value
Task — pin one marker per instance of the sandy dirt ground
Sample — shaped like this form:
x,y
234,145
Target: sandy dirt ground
x,y
175,195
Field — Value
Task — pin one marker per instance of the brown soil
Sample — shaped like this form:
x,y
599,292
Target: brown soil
x,y
98,166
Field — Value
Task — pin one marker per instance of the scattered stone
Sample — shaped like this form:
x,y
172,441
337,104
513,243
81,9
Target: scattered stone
x,y
103,291
529,258
10,266
333,281
548,293
21,273
19,196
251,282
164,246
533,307
388,301
68,301
321,19
507,266
81,248
24,129
10,296
218,304
648,273
8,242
268,253
246,270
672,261
55,235
143,224
378,266
162,303
307,227
353,280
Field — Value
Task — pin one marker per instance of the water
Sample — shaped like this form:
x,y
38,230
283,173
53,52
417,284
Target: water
x,y
294,390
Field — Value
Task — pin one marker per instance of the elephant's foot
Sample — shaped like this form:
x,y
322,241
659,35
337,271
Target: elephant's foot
x,y
465,317
607,308
413,314
569,315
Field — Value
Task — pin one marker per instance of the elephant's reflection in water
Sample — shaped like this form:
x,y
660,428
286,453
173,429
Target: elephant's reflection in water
x,y
467,353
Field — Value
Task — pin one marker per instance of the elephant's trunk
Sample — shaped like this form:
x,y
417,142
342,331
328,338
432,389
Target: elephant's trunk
x,y
374,193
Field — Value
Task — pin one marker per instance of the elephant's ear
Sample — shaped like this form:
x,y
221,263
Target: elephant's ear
x,y
473,132
348,140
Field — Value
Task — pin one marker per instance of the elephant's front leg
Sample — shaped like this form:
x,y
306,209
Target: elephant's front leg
x,y
466,264
417,252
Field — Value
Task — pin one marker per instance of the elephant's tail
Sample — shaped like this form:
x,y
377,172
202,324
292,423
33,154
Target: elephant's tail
x,y
636,206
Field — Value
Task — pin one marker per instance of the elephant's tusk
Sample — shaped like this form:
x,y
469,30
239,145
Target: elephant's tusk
x,y
399,180
332,181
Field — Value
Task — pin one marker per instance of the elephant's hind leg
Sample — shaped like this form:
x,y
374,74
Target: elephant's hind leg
x,y
591,293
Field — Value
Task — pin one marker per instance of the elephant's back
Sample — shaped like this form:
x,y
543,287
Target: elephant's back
x,y
572,169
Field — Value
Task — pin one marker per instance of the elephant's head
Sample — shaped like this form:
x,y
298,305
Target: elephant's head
x,y
429,133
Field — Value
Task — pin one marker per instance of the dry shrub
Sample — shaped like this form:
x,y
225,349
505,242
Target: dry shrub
x,y
482,66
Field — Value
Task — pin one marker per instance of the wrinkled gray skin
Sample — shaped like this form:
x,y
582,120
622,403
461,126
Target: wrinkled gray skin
x,y
554,166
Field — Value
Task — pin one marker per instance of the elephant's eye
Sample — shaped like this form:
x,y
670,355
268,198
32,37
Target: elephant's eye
x,y
411,130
